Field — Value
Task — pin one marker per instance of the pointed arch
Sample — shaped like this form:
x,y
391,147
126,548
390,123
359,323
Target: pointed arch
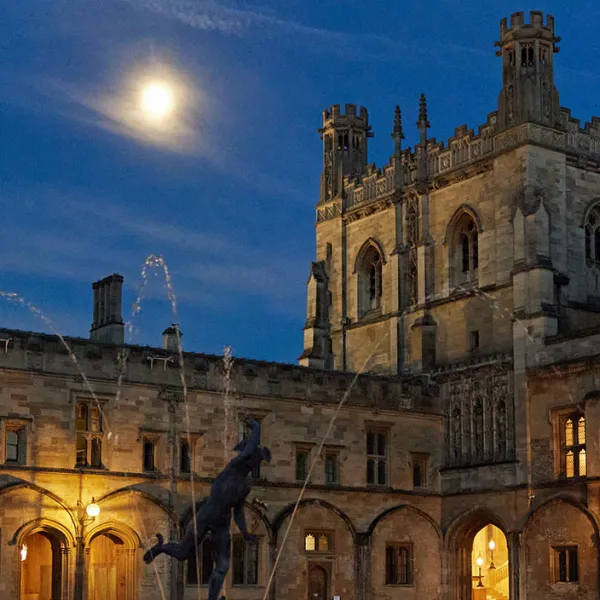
x,y
143,494
65,536
289,509
408,508
594,204
369,243
368,267
467,524
124,532
455,218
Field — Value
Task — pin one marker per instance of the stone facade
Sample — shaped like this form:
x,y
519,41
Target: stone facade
x,y
440,438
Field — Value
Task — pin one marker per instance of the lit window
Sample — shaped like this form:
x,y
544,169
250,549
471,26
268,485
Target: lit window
x,y
376,458
566,567
88,424
318,541
244,562
574,451
398,564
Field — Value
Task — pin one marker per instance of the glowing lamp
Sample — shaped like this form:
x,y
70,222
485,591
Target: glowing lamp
x,y
92,509
23,552
479,561
492,545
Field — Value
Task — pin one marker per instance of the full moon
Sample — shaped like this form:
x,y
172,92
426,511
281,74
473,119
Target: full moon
x,y
157,100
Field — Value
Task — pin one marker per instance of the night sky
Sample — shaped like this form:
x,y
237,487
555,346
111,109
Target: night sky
x,y
226,191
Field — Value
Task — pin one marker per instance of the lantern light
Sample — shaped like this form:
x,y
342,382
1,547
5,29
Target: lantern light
x,y
92,509
479,561
23,552
492,545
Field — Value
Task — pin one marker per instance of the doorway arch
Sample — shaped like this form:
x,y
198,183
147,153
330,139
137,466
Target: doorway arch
x,y
469,550
318,583
44,560
110,564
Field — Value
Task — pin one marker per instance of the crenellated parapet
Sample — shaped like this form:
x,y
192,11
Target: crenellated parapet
x,y
104,364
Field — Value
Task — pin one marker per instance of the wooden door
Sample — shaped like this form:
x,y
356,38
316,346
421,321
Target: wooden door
x,y
318,583
36,569
106,579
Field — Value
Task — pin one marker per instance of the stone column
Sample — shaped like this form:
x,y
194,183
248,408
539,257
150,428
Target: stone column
x,y
514,564
362,566
79,568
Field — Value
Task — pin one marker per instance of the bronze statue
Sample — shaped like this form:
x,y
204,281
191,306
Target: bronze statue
x,y
228,493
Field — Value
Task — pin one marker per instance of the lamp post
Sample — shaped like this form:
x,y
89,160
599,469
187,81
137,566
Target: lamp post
x,y
85,516
479,562
491,546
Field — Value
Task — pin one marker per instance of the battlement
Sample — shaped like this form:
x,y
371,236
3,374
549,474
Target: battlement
x,y
520,29
335,116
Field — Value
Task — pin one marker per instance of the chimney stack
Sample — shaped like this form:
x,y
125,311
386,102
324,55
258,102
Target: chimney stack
x,y
108,321
172,337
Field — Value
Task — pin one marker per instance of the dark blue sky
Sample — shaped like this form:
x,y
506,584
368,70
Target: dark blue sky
x,y
227,195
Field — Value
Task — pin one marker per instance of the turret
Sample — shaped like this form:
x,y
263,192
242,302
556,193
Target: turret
x,y
108,322
344,138
528,92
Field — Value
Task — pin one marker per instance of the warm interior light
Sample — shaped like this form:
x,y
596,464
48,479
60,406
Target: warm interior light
x,y
157,100
479,561
492,544
92,510
23,552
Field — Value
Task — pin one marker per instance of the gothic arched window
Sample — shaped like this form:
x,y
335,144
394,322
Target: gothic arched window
x,y
592,237
370,274
464,249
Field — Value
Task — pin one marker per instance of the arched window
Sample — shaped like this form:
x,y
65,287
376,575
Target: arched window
x,y
592,237
370,285
465,250
573,446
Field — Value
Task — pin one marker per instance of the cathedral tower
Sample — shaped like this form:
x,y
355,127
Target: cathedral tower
x,y
344,138
528,91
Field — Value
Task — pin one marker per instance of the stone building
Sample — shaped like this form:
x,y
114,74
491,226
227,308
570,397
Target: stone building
x,y
460,281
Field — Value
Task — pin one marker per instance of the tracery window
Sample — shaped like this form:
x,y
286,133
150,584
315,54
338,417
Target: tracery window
x,y
574,448
592,237
465,250
370,273
88,423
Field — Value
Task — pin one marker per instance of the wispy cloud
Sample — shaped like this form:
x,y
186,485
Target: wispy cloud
x,y
209,268
211,15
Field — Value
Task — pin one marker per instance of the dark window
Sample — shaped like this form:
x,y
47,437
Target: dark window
x,y
245,562
88,424
398,565
574,449
301,465
467,247
331,468
376,458
419,471
566,567
206,564
318,541
149,449
185,465
370,280
243,434
464,244
13,446
474,341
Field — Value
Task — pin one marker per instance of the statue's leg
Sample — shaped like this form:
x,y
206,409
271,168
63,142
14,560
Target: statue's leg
x,y
222,550
179,550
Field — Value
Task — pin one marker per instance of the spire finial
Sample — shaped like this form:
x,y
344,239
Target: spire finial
x,y
397,134
423,123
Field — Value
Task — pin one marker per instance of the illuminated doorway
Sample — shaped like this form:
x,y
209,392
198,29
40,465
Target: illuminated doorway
x,y
41,567
489,558
107,572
